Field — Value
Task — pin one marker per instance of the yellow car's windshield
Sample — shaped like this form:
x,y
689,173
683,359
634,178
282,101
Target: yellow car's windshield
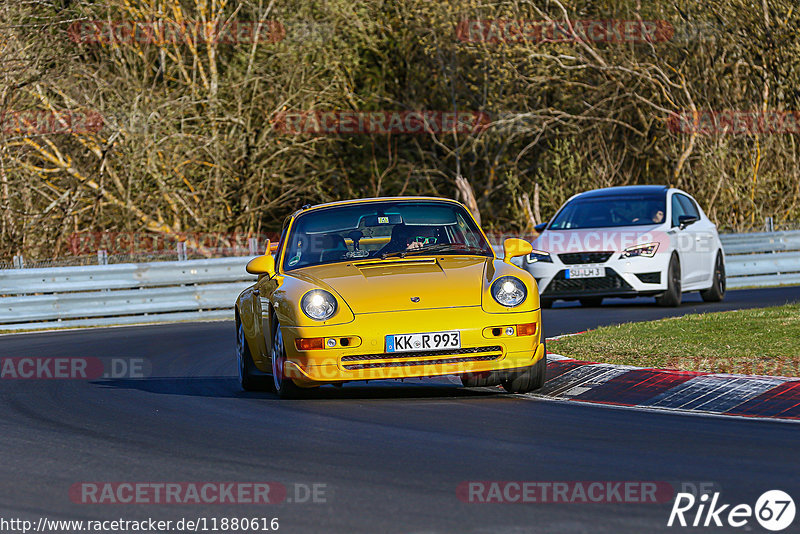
x,y
381,229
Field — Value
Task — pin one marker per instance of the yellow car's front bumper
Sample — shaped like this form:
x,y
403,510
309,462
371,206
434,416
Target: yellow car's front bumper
x,y
485,346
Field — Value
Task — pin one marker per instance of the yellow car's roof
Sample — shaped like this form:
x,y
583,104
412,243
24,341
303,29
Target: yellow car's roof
x,y
369,200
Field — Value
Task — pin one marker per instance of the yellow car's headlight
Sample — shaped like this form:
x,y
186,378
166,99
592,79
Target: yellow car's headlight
x,y
318,304
509,291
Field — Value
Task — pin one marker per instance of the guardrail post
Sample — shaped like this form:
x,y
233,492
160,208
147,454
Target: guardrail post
x,y
19,262
252,244
768,224
102,257
182,251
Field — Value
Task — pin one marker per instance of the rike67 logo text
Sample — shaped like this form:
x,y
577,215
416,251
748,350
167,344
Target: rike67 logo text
x,y
774,510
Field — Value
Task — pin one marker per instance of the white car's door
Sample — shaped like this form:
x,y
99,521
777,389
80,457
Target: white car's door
x,y
686,240
705,239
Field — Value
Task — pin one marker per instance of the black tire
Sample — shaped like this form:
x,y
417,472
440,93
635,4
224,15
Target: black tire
x,y
481,380
285,387
529,379
672,296
545,303
716,292
591,302
249,379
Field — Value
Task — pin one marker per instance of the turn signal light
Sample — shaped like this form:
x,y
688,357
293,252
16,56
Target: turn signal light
x,y
309,343
528,329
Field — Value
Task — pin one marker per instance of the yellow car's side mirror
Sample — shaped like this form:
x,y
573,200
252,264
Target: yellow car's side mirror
x,y
262,265
513,247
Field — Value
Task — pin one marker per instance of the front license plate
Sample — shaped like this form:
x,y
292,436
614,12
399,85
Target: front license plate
x,y
423,341
586,272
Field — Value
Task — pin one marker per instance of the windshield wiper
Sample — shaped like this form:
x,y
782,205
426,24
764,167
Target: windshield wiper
x,y
432,249
447,247
400,254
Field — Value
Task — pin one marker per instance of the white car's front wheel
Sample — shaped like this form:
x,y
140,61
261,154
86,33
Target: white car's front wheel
x,y
672,296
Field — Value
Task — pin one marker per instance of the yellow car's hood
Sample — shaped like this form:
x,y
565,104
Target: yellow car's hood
x,y
390,285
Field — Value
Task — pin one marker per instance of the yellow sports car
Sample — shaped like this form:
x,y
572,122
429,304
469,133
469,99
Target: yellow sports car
x,y
388,288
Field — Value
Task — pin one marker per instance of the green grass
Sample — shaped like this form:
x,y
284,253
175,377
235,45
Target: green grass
x,y
763,341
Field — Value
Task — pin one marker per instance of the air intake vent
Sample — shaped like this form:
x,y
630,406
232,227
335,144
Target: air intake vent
x,y
611,281
574,258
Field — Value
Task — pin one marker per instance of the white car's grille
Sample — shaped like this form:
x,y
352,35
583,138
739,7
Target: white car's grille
x,y
573,258
610,282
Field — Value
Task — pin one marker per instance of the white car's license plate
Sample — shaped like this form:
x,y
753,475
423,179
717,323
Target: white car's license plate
x,y
423,341
586,272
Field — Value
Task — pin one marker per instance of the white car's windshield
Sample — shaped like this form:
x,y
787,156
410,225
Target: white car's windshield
x,y
604,212
380,230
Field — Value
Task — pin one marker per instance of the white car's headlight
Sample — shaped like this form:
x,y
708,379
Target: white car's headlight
x,y
318,304
539,256
509,291
647,250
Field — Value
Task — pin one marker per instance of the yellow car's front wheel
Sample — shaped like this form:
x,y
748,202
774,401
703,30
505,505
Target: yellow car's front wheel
x,y
514,381
284,386
527,380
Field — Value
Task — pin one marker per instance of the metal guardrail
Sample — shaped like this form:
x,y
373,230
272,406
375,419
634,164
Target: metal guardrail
x,y
764,259
121,276
32,299
93,295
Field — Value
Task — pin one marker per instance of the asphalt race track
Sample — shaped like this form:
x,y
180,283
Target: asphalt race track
x,y
387,457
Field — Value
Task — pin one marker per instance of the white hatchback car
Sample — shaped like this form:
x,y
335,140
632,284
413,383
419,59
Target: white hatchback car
x,y
628,241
